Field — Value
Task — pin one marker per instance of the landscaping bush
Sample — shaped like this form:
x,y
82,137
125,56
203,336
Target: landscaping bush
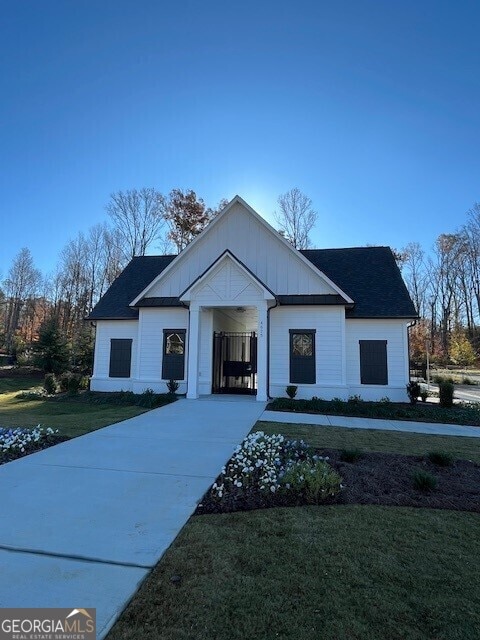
x,y
461,413
271,464
147,399
440,458
355,399
423,480
72,382
446,390
351,455
315,480
50,384
424,394
291,391
413,391
172,386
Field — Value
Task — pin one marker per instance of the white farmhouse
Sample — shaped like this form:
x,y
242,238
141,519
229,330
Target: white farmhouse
x,y
241,311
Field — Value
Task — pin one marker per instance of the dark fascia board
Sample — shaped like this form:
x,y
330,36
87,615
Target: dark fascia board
x,y
372,317
94,319
314,299
227,251
159,302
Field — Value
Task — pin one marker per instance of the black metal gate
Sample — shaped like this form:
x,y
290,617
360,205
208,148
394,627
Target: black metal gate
x,y
234,363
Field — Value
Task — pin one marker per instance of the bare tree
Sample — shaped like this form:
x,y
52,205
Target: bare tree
x,y
296,218
20,289
139,216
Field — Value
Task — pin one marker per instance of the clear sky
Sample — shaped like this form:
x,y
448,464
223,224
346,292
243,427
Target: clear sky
x,y
371,107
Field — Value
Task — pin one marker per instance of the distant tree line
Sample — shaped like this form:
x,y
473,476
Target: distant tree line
x,y
41,312
37,309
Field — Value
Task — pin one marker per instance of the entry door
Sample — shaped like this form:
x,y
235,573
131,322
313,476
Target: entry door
x,y
234,362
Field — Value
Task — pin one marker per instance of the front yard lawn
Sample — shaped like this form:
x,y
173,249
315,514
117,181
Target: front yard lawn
x,y
468,414
348,572
335,572
71,415
375,440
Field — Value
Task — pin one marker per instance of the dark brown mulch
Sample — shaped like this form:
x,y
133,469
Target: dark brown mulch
x,y
375,478
45,443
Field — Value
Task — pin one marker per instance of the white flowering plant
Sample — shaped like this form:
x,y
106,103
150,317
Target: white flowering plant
x,y
261,462
18,441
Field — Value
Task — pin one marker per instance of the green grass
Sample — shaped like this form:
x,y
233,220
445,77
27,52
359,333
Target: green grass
x,y
11,385
336,573
376,440
71,417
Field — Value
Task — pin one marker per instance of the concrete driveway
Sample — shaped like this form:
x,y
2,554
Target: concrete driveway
x,y
84,522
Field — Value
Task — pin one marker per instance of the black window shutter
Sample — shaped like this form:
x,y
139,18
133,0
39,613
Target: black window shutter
x,y
302,367
120,357
373,362
173,364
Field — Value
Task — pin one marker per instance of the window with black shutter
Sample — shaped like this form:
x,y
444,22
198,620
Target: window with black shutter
x,y
120,357
302,356
373,362
173,364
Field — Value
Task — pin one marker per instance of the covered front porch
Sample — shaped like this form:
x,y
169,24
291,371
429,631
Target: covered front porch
x,y
227,348
227,352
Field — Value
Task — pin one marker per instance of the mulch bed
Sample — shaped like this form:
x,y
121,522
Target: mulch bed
x,y
45,443
375,478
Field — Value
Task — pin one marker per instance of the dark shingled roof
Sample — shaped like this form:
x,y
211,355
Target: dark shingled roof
x,y
369,275
137,275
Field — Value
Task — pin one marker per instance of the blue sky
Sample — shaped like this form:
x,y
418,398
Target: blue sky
x,y
371,107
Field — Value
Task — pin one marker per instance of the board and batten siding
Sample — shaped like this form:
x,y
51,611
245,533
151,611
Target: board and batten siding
x,y
152,322
395,333
105,331
328,323
273,263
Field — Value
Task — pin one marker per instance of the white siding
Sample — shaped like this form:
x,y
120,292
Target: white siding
x,y
395,333
328,323
152,322
107,329
276,265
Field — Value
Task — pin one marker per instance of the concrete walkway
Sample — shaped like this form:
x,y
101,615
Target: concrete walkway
x,y
371,423
84,522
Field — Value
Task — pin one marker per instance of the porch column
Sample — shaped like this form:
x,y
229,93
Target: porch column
x,y
193,341
262,353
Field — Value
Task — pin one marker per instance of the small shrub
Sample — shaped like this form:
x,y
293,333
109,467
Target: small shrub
x,y
468,381
385,400
424,481
446,390
424,395
172,386
438,379
72,382
355,399
314,479
147,399
413,391
351,455
50,384
440,458
291,391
